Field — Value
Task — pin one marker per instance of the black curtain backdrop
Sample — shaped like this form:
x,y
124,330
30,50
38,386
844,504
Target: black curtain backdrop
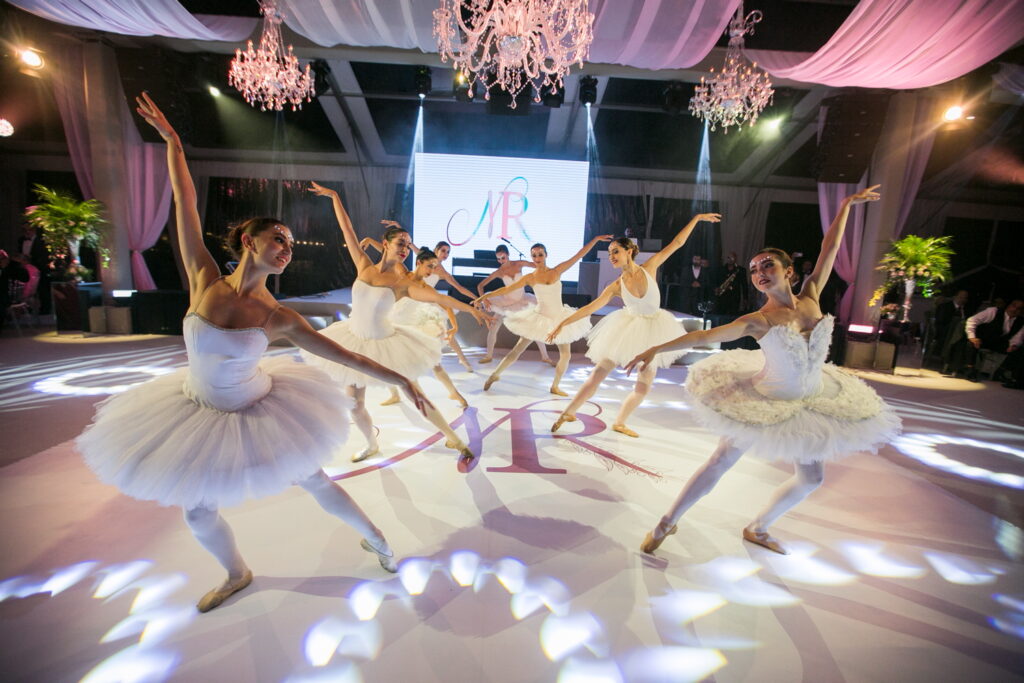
x,y
670,215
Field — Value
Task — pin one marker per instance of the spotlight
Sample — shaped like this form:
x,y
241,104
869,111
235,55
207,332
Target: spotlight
x,y
214,90
953,113
31,58
552,96
770,127
588,90
6,128
676,98
461,87
423,82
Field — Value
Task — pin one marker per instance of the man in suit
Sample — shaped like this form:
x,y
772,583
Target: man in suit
x,y
950,339
696,279
1001,331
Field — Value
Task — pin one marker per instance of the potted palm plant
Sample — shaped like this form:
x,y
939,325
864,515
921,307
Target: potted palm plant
x,y
914,264
65,224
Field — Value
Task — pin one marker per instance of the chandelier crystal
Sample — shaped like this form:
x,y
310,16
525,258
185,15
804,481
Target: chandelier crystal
x,y
740,91
270,75
512,43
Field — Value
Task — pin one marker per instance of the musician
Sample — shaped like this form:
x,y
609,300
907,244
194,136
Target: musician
x,y
730,287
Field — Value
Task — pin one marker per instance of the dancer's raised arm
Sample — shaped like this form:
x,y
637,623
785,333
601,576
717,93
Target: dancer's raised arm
x,y
565,265
654,262
752,324
421,292
610,292
832,241
200,266
447,277
518,284
352,242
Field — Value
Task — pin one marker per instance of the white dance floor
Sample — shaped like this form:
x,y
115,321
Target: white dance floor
x,y
527,567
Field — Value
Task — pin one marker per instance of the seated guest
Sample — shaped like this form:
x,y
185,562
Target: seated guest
x,y
997,330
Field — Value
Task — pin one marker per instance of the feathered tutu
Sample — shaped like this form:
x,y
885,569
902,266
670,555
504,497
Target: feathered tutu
x,y
428,318
531,324
510,303
154,442
407,351
621,336
844,417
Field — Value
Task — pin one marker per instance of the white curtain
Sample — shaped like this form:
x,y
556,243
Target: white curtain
x,y
140,18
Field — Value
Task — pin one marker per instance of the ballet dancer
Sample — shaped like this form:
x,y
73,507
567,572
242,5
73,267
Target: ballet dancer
x,y
442,250
231,426
621,335
431,319
369,329
783,402
535,322
516,300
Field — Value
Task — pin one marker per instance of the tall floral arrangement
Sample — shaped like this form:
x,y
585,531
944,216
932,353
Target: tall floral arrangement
x,y
911,264
65,224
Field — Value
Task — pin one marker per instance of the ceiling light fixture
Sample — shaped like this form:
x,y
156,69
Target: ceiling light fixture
x,y
512,43
6,128
270,75
31,58
740,91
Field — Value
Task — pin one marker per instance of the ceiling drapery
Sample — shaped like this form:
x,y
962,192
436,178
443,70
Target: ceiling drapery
x,y
904,44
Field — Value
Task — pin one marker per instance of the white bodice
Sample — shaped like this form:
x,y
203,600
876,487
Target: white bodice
x,y
793,363
549,300
223,364
431,280
518,294
371,310
648,304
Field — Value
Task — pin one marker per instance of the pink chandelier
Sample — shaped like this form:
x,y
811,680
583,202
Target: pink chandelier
x,y
740,91
510,43
270,75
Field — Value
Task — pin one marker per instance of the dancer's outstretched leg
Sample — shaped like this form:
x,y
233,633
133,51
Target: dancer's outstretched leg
x,y
597,375
807,478
564,355
454,343
452,439
337,502
508,360
363,422
214,534
643,385
492,337
702,481
444,379
392,398
544,357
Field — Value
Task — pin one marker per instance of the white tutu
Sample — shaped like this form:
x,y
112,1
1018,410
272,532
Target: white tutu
x,y
428,318
510,303
531,324
621,336
407,351
155,443
844,417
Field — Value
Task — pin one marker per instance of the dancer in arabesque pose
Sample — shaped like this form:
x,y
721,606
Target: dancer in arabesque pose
x,y
783,402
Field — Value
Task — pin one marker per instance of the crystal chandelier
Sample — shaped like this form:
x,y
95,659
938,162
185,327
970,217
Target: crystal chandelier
x,y
509,43
738,92
270,75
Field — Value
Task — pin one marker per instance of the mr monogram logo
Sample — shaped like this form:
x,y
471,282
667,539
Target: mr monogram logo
x,y
510,206
528,425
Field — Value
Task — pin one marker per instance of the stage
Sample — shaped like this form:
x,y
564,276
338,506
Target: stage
x,y
526,568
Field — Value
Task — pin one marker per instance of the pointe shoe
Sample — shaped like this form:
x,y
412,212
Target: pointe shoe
x,y
460,399
652,543
558,392
219,595
623,429
466,365
490,381
365,453
385,556
562,419
391,401
550,362
762,539
485,360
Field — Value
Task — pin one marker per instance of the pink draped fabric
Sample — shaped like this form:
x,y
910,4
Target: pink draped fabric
x,y
69,92
903,44
919,150
140,18
830,197
648,34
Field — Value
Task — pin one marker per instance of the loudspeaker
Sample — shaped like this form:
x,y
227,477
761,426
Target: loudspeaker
x,y
870,356
853,122
159,311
